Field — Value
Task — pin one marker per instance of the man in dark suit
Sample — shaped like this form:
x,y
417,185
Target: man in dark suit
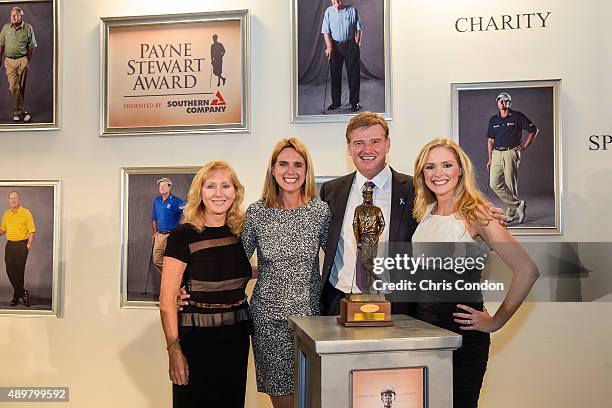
x,y
368,142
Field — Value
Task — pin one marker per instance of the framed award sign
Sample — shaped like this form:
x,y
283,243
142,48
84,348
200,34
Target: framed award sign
x,y
180,73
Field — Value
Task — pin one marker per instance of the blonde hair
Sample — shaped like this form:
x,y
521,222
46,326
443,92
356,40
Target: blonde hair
x,y
366,120
269,194
193,212
470,204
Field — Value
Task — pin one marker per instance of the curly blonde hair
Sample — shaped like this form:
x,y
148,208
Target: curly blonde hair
x,y
470,204
193,212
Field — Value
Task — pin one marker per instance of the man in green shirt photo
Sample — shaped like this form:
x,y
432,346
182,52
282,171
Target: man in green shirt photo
x,y
17,39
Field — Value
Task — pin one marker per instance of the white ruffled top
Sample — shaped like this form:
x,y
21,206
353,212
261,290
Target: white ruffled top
x,y
441,228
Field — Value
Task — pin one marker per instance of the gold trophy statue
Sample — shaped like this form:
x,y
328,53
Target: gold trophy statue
x,y
368,308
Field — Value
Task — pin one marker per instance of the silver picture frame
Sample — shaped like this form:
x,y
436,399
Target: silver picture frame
x,y
42,277
320,180
172,121
139,277
42,91
301,95
540,174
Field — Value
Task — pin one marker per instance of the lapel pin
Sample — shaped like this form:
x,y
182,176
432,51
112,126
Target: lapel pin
x,y
402,202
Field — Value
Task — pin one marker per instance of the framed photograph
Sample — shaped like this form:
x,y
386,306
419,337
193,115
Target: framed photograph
x,y
319,180
30,237
512,133
152,205
29,51
180,73
396,387
341,63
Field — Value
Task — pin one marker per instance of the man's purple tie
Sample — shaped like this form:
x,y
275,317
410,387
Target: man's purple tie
x,y
369,184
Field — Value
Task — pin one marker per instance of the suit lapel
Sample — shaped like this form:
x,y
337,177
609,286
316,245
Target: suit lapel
x,y
399,204
339,209
337,198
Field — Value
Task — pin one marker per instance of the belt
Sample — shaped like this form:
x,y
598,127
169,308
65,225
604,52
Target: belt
x,y
503,149
216,305
163,232
14,58
21,241
343,42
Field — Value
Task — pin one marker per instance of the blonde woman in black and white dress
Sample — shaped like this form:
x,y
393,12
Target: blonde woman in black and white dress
x,y
450,208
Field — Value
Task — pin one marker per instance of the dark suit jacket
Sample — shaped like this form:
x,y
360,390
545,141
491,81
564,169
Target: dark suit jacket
x,y
401,226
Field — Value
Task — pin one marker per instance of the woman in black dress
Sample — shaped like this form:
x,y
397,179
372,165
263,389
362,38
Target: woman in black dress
x,y
208,341
451,209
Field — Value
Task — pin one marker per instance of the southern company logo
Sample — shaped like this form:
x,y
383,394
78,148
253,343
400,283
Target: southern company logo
x,y
216,105
218,101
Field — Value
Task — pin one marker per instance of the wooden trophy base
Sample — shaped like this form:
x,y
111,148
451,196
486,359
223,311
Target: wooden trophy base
x,y
362,313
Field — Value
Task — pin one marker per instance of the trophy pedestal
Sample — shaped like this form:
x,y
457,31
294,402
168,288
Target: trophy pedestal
x,y
338,366
360,311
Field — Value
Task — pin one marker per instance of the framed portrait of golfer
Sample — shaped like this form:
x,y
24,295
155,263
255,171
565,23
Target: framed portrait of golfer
x,y
512,133
179,73
29,50
29,247
341,63
152,205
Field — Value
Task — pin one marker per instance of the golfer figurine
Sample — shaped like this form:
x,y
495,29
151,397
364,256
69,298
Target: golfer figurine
x,y
368,307
368,225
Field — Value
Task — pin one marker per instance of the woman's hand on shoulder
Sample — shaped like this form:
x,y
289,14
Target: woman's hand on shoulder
x,y
499,215
488,211
494,231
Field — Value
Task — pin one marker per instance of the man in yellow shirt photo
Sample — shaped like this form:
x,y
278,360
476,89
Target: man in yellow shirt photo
x,y
18,225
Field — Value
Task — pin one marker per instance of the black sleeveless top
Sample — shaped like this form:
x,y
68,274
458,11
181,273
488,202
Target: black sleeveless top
x,y
216,275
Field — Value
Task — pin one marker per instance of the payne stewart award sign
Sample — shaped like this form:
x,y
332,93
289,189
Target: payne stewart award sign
x,y
182,73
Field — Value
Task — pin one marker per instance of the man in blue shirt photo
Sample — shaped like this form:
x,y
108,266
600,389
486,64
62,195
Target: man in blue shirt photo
x,y
166,214
342,30
504,146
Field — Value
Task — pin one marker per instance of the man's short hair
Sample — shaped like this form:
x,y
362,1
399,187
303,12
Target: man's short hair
x,y
16,192
19,9
366,120
165,180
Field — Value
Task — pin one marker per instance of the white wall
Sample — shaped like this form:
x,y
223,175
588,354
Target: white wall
x,y
548,355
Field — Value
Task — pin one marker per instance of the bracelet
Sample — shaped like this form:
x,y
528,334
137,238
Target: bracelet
x,y
172,344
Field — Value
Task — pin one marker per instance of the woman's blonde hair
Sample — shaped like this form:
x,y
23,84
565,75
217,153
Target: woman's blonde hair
x,y
193,212
270,188
470,204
